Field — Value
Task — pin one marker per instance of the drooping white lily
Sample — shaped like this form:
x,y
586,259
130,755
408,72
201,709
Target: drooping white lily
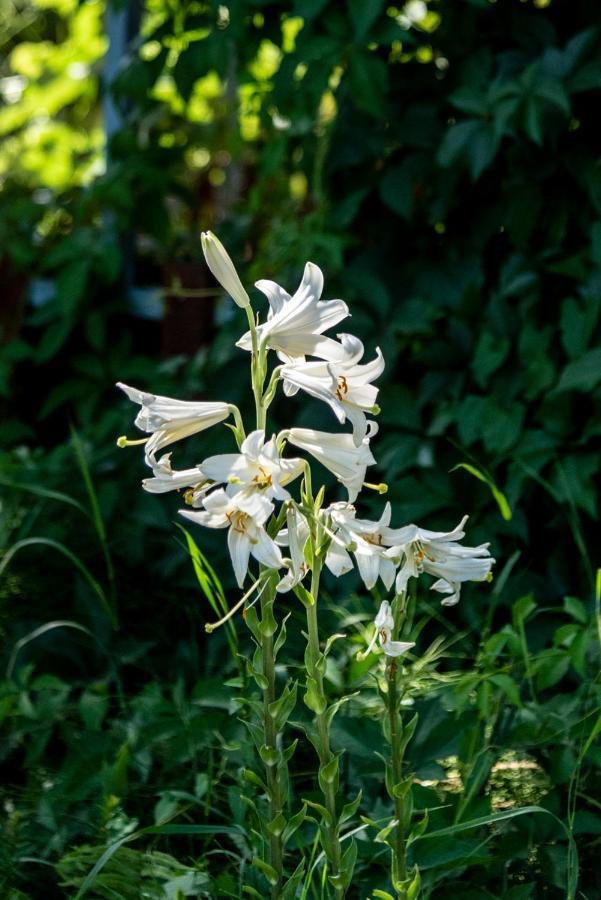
x,y
452,591
222,267
338,453
165,478
169,420
294,537
295,325
384,623
438,553
245,514
338,560
367,540
343,383
258,466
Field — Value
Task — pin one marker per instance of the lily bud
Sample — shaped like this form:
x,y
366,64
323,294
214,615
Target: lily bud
x,y
223,268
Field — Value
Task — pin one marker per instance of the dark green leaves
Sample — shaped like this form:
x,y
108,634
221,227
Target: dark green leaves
x,y
583,374
473,142
367,82
399,185
363,15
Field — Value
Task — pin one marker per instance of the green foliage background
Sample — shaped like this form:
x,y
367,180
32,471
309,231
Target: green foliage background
x,y
440,163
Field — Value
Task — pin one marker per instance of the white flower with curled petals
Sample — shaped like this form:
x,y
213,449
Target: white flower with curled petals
x,y
169,420
258,466
384,623
338,453
295,324
295,537
245,515
368,542
452,590
192,481
338,560
341,381
440,554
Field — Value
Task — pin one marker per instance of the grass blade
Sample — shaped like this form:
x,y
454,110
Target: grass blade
x,y
95,514
499,496
572,865
151,830
211,587
46,493
77,563
38,632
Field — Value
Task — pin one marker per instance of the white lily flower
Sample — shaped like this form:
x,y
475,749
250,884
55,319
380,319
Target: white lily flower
x,y
368,542
169,420
338,559
258,466
294,537
338,453
343,383
222,267
439,553
165,479
453,590
384,623
295,325
244,514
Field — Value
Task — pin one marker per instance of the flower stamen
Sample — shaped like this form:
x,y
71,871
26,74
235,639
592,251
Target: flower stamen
x,y
342,389
124,441
381,488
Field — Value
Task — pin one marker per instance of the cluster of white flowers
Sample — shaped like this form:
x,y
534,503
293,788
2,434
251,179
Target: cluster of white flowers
x,y
239,491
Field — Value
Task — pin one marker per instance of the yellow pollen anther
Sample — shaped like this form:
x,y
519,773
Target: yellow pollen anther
x,y
237,521
123,441
264,479
342,389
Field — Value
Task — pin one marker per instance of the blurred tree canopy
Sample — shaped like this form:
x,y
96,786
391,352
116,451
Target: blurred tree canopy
x,y
440,162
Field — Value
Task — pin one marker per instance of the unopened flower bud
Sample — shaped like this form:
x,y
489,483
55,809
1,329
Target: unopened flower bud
x,y
223,268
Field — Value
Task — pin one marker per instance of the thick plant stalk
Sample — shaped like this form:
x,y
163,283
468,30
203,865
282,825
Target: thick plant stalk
x,y
395,724
328,763
398,783
257,371
270,752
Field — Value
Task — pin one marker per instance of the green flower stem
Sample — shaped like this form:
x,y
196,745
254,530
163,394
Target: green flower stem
x,y
270,752
257,369
328,786
397,783
276,800
395,722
